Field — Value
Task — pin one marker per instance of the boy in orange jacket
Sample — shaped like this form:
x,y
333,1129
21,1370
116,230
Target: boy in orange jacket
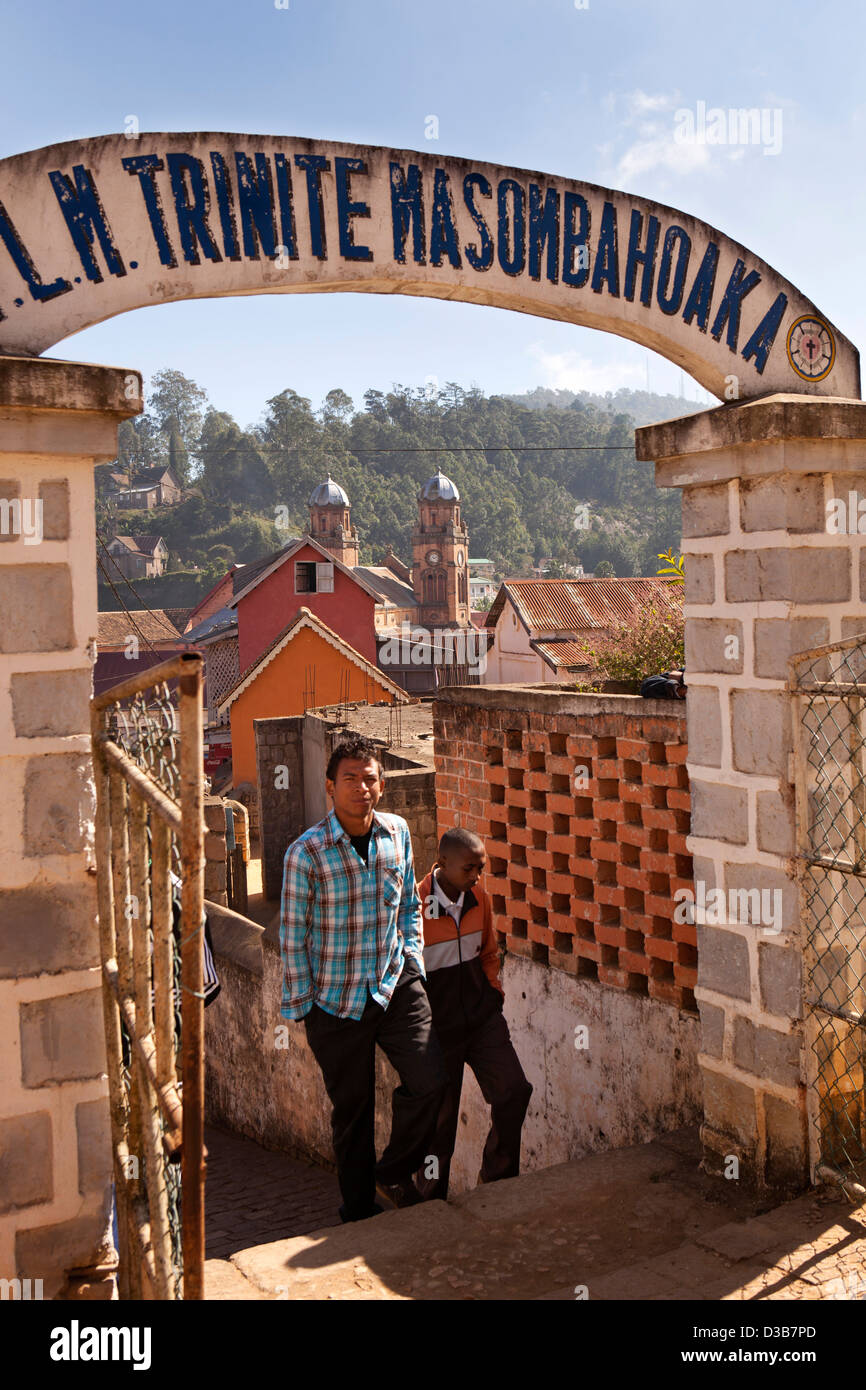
x,y
461,961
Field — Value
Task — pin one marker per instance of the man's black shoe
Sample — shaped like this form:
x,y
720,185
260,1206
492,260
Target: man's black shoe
x,y
376,1210
401,1194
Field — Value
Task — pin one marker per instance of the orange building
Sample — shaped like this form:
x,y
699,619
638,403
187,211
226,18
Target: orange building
x,y
306,666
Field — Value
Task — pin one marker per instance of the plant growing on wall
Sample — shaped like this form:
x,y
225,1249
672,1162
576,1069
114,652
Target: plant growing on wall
x,y
674,565
653,641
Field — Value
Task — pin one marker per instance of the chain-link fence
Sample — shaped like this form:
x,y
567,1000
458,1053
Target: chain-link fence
x,y
147,748
828,686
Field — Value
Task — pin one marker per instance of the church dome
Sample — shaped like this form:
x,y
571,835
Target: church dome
x,y
439,489
328,494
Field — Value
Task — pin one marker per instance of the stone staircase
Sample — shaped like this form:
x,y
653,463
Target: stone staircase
x,y
637,1223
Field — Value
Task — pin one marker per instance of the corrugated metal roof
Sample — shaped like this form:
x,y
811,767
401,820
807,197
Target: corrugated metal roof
x,y
567,654
579,605
223,620
115,628
387,584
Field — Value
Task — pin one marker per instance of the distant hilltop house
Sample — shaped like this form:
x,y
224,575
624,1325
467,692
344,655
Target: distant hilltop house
x,y
542,569
153,487
481,582
137,557
536,626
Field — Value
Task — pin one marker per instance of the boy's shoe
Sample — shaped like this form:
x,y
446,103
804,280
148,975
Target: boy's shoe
x,y
401,1194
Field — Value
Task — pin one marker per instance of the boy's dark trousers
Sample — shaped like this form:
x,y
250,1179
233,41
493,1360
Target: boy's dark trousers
x,y
489,1051
345,1049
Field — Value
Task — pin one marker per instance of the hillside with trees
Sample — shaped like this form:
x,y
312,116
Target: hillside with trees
x,y
546,479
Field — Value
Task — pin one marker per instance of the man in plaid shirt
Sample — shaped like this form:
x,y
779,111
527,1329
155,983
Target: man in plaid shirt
x,y
353,966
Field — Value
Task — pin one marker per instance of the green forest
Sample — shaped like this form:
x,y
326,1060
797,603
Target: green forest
x,y
549,475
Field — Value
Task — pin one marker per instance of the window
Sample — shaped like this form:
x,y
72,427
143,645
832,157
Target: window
x,y
312,578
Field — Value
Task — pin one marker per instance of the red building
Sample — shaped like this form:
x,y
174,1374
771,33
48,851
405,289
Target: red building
x,y
268,593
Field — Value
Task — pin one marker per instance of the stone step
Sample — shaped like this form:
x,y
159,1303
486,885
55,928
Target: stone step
x,y
636,1223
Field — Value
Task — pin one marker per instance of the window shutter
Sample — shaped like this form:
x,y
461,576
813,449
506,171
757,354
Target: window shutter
x,y
325,577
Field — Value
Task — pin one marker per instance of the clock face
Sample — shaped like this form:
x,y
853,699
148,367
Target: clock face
x,y
433,557
460,557
811,348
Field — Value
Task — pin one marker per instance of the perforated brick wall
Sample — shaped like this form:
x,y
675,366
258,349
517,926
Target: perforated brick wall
x,y
583,804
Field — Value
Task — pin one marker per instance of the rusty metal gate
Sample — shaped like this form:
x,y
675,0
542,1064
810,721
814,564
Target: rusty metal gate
x,y
828,689
147,754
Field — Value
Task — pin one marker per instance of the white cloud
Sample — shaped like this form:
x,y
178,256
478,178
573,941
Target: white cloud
x,y
569,371
644,120
663,151
638,102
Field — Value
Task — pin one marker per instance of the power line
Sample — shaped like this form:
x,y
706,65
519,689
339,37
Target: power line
x,y
463,449
144,608
495,449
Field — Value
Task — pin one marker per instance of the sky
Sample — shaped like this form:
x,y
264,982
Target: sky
x,y
588,90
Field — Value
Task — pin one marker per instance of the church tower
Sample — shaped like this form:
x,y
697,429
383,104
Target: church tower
x,y
440,557
331,522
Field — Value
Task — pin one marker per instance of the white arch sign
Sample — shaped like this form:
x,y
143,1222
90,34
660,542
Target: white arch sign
x,y
91,228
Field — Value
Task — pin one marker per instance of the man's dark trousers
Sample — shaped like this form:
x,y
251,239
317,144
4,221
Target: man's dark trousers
x,y
489,1051
345,1049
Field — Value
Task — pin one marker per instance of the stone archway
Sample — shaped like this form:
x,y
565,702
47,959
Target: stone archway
x,y
91,229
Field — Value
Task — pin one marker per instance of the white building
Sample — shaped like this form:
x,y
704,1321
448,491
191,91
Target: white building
x,y
538,626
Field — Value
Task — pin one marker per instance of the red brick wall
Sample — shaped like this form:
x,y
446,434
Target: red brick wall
x,y
582,877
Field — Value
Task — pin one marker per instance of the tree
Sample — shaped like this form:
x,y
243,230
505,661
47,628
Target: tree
x,y
140,445
374,404
176,403
178,458
233,469
336,408
291,441
604,570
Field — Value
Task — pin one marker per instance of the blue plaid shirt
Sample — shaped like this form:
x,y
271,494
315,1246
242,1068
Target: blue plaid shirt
x,y
346,927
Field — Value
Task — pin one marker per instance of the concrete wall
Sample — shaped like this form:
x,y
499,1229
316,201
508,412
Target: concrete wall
x,y
294,798
58,420
280,779
764,580
636,1077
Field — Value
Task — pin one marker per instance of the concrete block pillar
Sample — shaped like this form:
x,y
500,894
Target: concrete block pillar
x,y
57,419
765,579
